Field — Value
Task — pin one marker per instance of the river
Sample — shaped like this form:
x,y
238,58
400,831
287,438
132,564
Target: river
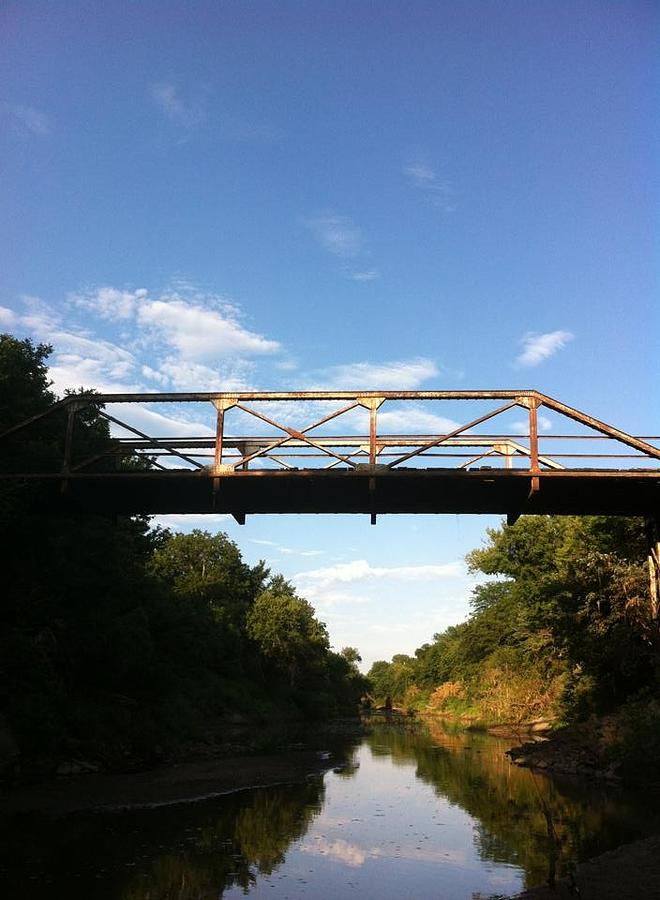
x,y
408,812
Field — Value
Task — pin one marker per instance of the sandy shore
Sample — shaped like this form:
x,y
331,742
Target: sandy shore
x,y
169,784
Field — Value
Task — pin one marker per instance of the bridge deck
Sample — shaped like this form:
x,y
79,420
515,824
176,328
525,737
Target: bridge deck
x,y
500,491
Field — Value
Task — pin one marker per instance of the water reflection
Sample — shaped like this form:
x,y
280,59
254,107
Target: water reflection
x,y
188,852
418,812
522,818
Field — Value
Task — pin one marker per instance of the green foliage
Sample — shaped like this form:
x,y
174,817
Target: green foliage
x,y
24,384
116,638
565,629
287,633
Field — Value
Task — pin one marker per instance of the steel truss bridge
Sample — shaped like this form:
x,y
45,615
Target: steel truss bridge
x,y
336,452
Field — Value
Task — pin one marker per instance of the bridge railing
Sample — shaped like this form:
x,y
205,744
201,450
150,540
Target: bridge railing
x,y
223,434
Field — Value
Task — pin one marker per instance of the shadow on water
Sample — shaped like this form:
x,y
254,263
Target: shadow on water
x,y
233,844
186,851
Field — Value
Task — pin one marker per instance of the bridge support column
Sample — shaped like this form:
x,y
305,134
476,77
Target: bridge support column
x,y
653,543
372,404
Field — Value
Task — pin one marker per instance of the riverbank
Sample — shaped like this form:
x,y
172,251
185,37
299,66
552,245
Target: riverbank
x,y
629,872
165,785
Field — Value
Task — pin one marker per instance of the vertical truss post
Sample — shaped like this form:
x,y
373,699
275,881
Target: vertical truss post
x,y
532,404
653,544
221,404
372,404
373,431
219,434
68,438
68,445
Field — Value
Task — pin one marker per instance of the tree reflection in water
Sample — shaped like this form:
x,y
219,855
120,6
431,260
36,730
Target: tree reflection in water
x,y
492,813
470,770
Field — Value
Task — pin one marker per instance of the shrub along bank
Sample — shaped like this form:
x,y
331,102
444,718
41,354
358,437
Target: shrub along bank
x,y
562,631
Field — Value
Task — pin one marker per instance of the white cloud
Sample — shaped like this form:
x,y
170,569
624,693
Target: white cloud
x,y
521,426
538,347
365,275
338,235
7,317
71,372
199,332
185,112
81,361
210,522
404,375
26,120
424,178
185,375
360,569
287,551
157,424
411,419
327,598
110,303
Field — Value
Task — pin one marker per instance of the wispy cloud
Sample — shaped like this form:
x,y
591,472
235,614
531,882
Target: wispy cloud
x,y
409,419
286,551
7,316
110,303
365,275
401,375
341,237
539,347
338,235
186,112
521,426
425,179
360,569
26,120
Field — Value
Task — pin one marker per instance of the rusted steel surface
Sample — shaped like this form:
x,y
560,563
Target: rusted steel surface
x,y
302,469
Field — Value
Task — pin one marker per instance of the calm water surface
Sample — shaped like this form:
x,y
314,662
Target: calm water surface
x,y
419,813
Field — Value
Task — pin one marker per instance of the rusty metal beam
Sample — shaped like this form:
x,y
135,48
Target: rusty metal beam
x,y
453,433
143,435
268,396
60,404
608,430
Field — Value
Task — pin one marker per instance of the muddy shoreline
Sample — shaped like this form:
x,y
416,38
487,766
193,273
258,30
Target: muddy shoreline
x,y
630,872
167,784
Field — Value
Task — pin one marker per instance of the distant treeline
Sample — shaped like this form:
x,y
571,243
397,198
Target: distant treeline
x,y
118,640
563,630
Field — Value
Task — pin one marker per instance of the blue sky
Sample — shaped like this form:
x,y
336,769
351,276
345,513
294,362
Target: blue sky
x,y
284,195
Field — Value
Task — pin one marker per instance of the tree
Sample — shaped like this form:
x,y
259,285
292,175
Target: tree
x,y
287,632
24,384
209,569
352,656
